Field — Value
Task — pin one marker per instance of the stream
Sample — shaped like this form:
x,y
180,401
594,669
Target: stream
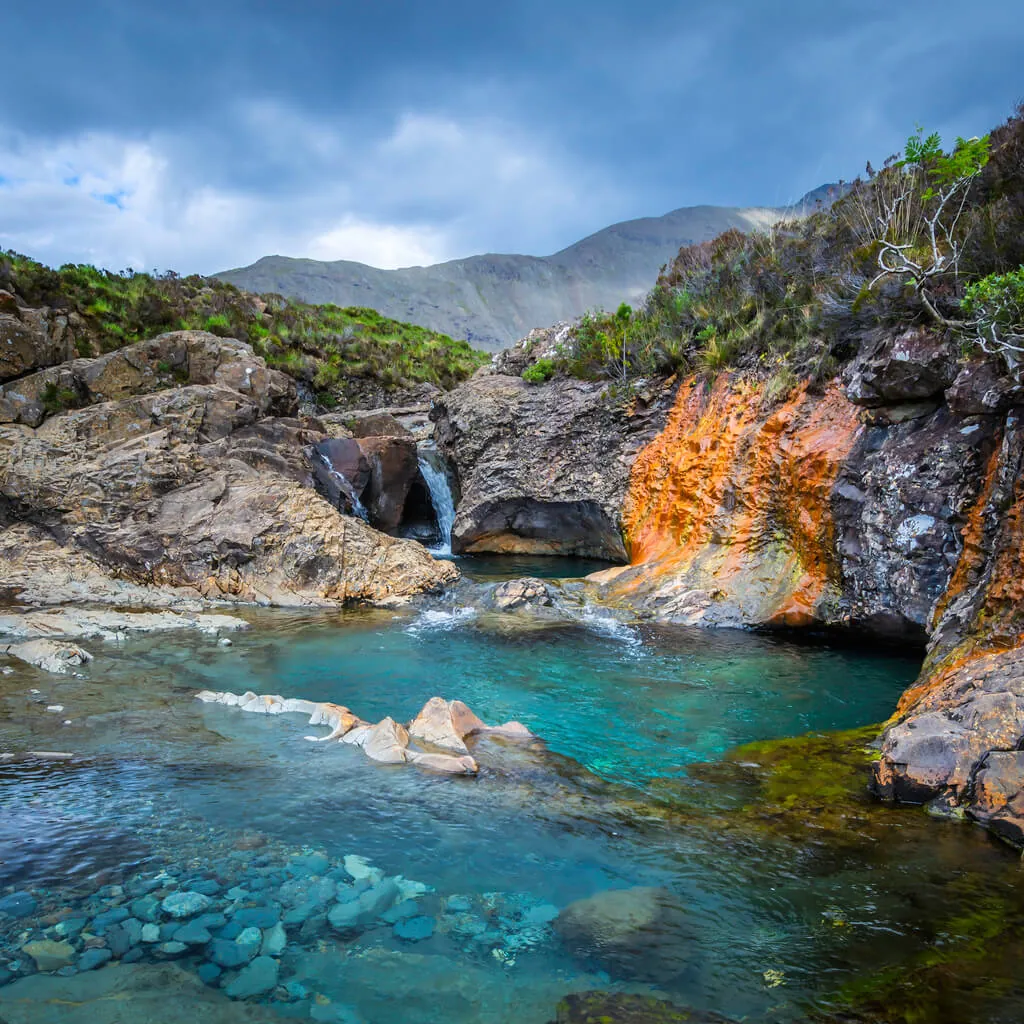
x,y
771,913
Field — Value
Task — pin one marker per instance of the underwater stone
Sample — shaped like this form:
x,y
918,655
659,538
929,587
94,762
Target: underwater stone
x,y
93,958
151,933
308,864
400,911
258,977
146,908
274,941
101,922
172,948
133,956
414,929
49,955
257,917
192,934
458,904
230,954
205,886
185,904
71,927
18,905
208,973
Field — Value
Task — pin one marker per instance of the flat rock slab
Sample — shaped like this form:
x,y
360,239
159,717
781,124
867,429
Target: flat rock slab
x,y
136,994
83,622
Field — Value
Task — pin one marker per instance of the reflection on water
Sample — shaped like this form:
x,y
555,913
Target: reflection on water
x,y
768,913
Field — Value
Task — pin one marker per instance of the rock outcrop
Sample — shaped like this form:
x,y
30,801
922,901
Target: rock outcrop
x,y
542,469
441,729
198,489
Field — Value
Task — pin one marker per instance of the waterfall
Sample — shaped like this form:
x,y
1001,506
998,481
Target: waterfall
x,y
435,476
358,508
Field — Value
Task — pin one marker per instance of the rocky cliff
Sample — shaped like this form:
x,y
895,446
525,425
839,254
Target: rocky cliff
x,y
886,503
171,470
542,469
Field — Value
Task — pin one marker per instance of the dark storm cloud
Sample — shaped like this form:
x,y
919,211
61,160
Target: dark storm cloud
x,y
400,133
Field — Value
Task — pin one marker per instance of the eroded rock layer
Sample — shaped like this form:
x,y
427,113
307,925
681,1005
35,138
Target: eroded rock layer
x,y
542,470
174,470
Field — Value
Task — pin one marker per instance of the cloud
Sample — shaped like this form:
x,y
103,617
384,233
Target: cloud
x,y
426,189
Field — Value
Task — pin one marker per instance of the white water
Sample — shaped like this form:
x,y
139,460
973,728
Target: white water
x,y
358,508
436,479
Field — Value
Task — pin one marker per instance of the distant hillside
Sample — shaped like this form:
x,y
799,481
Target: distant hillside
x,y
493,300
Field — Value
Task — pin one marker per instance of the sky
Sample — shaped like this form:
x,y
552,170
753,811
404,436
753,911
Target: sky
x,y
199,136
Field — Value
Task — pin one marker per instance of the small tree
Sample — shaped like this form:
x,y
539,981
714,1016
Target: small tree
x,y
921,200
995,306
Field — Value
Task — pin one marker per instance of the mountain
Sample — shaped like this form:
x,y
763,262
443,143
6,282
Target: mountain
x,y
493,300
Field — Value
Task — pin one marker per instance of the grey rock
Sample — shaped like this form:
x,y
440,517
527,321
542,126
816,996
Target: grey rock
x,y
209,973
146,908
414,929
150,933
230,954
185,904
257,917
93,958
255,979
172,948
274,941
192,934
18,905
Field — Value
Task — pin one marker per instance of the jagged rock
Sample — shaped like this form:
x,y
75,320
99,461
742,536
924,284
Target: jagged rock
x,y
997,799
393,468
342,471
542,469
442,724
520,593
165,362
50,655
540,343
916,364
141,496
31,338
374,423
640,933
982,387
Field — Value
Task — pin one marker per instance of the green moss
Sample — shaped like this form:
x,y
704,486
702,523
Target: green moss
x,y
540,371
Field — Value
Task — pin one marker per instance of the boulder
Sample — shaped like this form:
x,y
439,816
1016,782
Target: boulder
x,y
639,933
983,387
543,469
394,465
32,338
997,799
50,655
916,364
341,471
374,423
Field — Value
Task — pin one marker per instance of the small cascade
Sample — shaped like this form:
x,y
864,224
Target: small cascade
x,y
358,508
435,475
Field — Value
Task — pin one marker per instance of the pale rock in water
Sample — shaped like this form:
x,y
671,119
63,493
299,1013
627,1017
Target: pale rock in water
x,y
50,655
440,724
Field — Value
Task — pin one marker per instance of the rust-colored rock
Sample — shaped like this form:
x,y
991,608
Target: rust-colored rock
x,y
728,517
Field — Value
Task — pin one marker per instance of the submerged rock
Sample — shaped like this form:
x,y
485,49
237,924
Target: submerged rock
x,y
623,1008
639,933
165,993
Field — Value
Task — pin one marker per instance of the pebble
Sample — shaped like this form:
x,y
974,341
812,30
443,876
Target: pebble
x,y
151,933
414,929
257,917
209,973
18,905
172,948
146,908
185,904
71,927
274,941
133,956
229,954
93,958
254,980
545,913
192,934
458,904
224,642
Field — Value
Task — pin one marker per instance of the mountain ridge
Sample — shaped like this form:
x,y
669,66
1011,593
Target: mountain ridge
x,y
493,299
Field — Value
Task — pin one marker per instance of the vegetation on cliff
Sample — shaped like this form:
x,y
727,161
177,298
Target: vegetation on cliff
x,y
793,301
329,347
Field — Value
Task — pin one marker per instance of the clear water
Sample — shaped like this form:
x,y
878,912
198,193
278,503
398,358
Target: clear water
x,y
623,713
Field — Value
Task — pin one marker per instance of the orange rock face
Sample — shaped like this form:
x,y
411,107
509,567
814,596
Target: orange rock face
x,y
728,509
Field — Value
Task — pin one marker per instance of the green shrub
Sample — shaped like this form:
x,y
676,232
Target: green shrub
x,y
540,371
